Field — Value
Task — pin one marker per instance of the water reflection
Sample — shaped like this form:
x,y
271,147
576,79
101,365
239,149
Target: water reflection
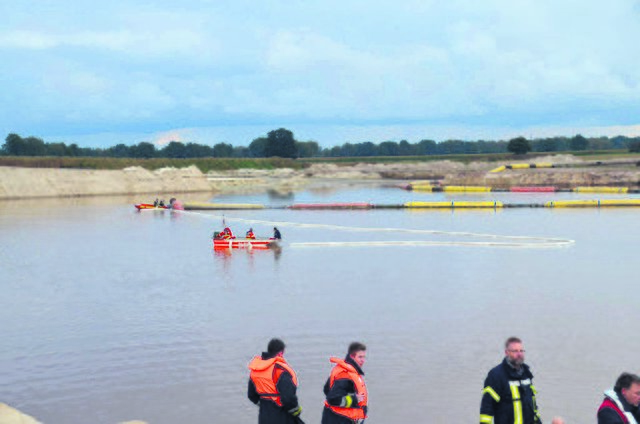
x,y
226,255
142,303
280,195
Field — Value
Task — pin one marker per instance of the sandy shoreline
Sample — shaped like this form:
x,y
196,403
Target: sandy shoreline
x,y
30,183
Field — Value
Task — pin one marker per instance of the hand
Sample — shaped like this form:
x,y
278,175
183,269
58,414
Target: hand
x,y
359,397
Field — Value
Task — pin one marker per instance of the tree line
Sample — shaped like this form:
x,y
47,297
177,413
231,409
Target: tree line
x,y
282,143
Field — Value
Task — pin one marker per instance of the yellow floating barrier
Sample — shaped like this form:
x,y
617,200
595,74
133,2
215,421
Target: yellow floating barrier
x,y
519,166
592,203
458,189
221,206
454,205
422,187
601,189
499,169
572,204
543,165
620,202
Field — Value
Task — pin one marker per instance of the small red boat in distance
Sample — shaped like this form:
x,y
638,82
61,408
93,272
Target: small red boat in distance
x,y
173,204
141,206
243,243
226,240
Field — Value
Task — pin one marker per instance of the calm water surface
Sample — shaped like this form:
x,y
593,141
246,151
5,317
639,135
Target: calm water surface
x,y
109,314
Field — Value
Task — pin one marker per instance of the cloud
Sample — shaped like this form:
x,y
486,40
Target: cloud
x,y
154,66
165,43
164,138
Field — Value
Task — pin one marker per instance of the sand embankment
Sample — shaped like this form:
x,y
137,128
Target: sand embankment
x,y
17,183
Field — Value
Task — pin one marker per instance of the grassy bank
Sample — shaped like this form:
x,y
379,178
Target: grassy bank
x,y
204,164
586,155
225,164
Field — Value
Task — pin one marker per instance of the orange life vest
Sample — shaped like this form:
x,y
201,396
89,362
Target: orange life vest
x,y
343,370
265,374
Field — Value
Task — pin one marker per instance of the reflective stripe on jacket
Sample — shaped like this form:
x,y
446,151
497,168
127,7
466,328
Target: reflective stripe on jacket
x,y
265,374
343,370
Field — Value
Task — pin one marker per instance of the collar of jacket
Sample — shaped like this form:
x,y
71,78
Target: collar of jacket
x,y
350,361
526,373
628,409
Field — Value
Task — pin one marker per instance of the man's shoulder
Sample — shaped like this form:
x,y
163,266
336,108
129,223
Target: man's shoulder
x,y
498,369
608,415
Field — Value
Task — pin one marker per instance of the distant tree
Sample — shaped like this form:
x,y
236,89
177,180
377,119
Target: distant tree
x,y
406,149
35,146
545,145
634,147
281,143
194,150
620,142
519,146
74,150
366,149
426,147
334,152
348,150
388,148
56,149
452,147
174,150
17,146
118,151
600,143
222,150
258,147
14,145
143,150
241,152
578,143
491,146
307,149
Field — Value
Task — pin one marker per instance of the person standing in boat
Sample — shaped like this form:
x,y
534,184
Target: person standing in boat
x,y
509,395
226,234
620,405
276,234
346,399
250,234
273,385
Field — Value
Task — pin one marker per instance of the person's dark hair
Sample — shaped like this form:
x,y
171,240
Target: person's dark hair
x,y
511,340
275,346
356,347
625,381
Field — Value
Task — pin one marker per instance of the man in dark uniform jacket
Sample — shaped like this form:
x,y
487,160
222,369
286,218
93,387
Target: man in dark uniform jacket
x,y
509,395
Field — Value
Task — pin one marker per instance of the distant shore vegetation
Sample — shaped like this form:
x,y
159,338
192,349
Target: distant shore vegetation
x,y
280,149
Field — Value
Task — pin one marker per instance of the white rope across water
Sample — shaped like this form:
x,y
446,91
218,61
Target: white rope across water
x,y
496,239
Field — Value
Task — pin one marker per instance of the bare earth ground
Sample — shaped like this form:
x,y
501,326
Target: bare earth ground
x,y
21,183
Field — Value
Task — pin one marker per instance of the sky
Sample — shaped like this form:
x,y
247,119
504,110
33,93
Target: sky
x,y
102,73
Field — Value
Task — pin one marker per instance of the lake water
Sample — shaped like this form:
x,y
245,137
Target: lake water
x,y
109,314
